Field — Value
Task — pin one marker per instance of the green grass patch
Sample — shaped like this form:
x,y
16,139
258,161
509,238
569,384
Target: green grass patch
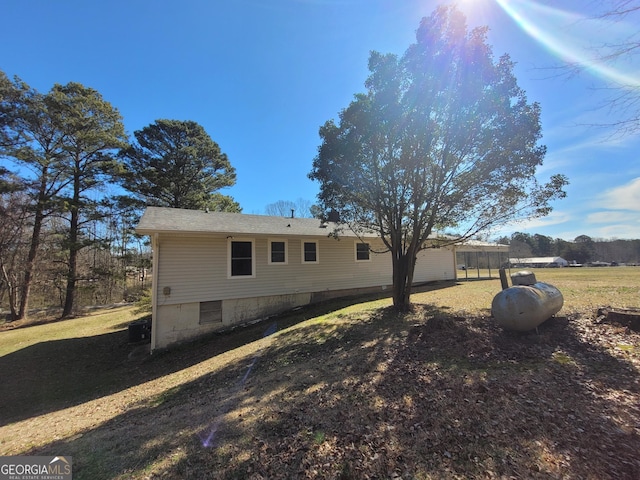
x,y
14,338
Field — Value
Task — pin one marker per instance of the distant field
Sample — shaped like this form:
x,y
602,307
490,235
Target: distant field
x,y
583,288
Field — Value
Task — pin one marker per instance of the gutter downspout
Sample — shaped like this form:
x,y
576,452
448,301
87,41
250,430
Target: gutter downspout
x,y
155,251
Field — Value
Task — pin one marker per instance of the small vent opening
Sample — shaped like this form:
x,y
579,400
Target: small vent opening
x,y
210,312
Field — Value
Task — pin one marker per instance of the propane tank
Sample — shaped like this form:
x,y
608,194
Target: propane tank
x,y
524,277
524,307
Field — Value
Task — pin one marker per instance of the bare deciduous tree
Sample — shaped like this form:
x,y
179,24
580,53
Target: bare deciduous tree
x,y
285,208
624,91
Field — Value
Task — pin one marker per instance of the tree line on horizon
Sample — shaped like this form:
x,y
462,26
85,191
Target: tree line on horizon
x,y
582,250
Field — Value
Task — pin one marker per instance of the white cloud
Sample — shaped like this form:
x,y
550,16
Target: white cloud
x,y
627,231
623,197
588,138
614,224
575,141
606,225
610,217
554,218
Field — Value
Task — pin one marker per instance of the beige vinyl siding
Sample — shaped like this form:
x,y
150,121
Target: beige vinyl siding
x,y
186,264
196,269
434,264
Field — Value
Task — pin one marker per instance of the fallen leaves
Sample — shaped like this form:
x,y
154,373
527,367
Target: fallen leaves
x,y
454,397
430,395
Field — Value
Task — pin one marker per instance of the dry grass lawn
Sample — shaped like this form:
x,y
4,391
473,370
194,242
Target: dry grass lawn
x,y
341,390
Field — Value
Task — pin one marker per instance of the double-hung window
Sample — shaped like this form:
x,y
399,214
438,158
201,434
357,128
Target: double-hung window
x,y
278,252
310,252
363,254
242,262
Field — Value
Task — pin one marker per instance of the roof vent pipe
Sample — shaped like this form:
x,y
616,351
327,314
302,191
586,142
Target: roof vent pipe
x,y
292,210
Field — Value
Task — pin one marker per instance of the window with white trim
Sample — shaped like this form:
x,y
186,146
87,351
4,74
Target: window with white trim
x,y
310,252
363,253
278,252
242,259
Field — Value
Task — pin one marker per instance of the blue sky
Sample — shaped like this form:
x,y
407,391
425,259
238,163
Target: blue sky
x,y
261,76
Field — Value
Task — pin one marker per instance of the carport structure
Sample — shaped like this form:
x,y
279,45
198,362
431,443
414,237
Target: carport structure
x,y
482,259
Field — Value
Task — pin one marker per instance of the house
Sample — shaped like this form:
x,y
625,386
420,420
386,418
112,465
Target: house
x,y
214,270
538,262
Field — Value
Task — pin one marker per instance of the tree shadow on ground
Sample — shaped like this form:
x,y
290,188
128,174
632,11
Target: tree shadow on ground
x,y
53,375
547,404
381,395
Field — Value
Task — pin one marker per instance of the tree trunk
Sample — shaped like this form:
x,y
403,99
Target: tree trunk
x,y
11,288
73,266
74,248
403,267
33,251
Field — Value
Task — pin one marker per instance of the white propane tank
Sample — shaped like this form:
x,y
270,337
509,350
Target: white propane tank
x,y
524,307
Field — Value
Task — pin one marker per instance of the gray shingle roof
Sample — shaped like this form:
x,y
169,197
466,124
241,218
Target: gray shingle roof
x,y
177,220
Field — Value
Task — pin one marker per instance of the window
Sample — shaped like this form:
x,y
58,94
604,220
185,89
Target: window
x,y
278,252
210,312
241,258
362,252
310,252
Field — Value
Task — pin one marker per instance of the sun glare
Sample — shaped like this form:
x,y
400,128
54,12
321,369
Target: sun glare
x,y
476,11
572,37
